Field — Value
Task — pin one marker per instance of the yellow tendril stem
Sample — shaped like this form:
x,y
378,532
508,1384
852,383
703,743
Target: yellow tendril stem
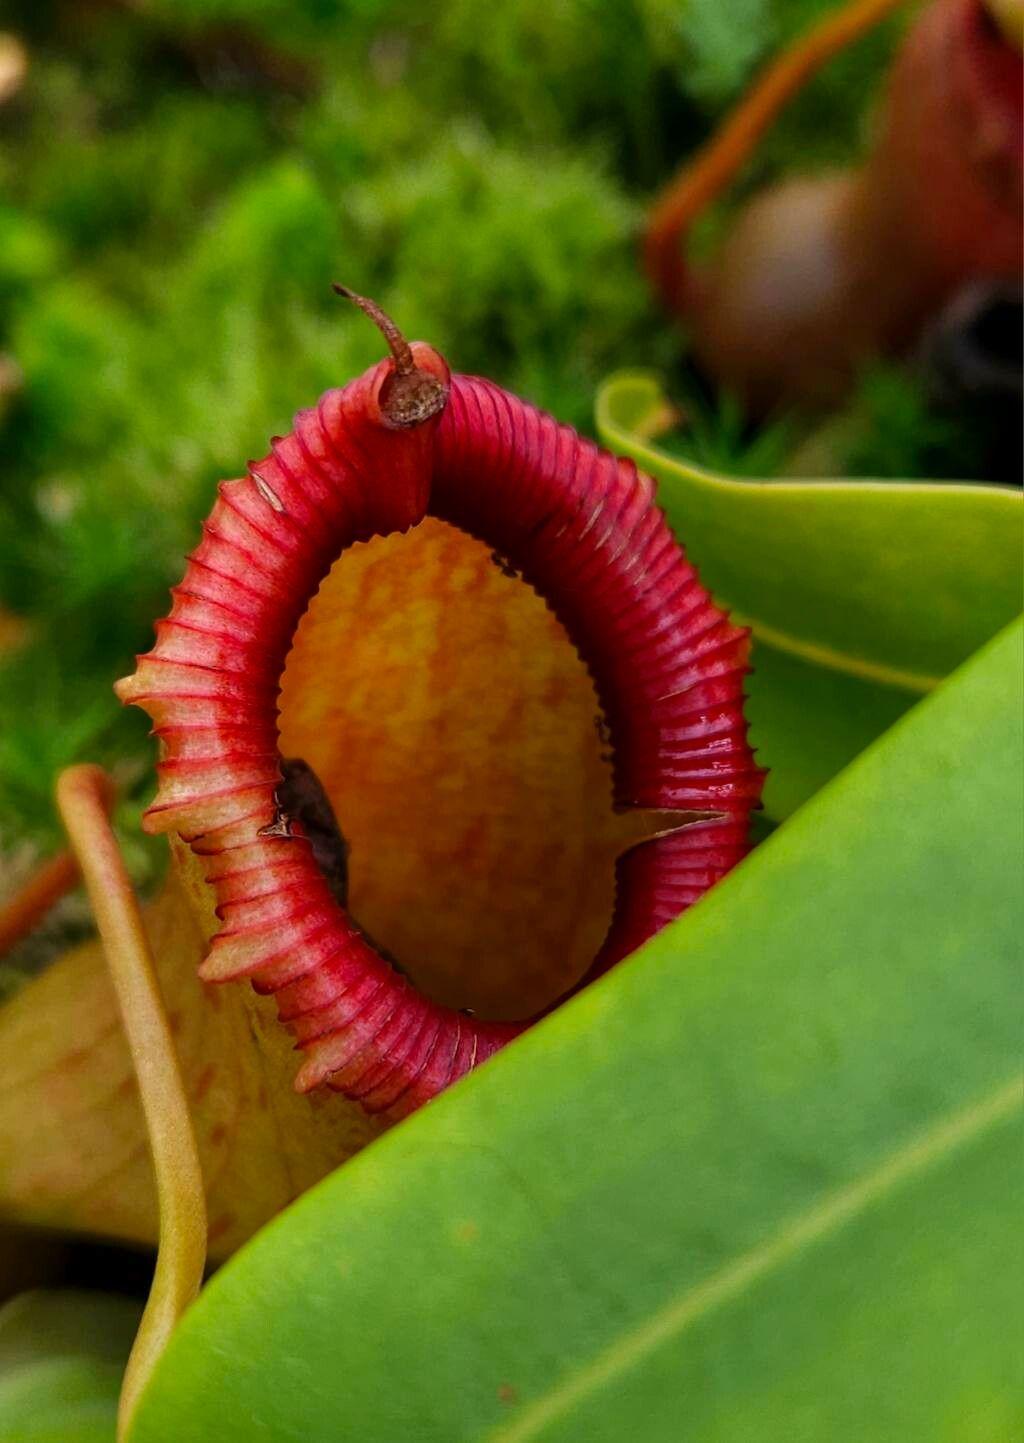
x,y
83,799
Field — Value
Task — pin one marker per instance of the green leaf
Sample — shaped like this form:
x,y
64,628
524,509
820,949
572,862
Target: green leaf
x,y
751,1185
61,1359
808,722
862,595
892,581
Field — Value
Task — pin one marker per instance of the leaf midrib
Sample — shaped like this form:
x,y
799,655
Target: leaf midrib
x,y
921,1152
918,682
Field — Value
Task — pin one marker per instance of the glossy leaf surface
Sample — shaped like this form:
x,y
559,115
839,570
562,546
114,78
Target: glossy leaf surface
x,y
755,1183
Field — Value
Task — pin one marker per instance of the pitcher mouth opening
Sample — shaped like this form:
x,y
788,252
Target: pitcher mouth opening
x,y
459,743
663,664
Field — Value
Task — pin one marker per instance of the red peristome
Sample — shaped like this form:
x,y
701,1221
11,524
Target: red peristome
x,y
583,528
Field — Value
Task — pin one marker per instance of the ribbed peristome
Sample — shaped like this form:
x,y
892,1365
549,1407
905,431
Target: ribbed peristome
x,y
583,528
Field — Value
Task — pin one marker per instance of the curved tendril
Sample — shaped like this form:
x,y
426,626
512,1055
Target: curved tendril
x,y
715,164
34,898
84,794
405,365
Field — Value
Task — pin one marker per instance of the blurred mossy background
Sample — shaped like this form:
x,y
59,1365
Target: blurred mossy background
x,y
180,180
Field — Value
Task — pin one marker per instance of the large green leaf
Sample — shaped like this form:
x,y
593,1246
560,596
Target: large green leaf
x,y
62,1355
862,595
751,1185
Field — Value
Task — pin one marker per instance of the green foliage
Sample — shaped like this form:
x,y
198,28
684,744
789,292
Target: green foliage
x,y
61,1359
28,252
718,436
756,1183
722,45
892,431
